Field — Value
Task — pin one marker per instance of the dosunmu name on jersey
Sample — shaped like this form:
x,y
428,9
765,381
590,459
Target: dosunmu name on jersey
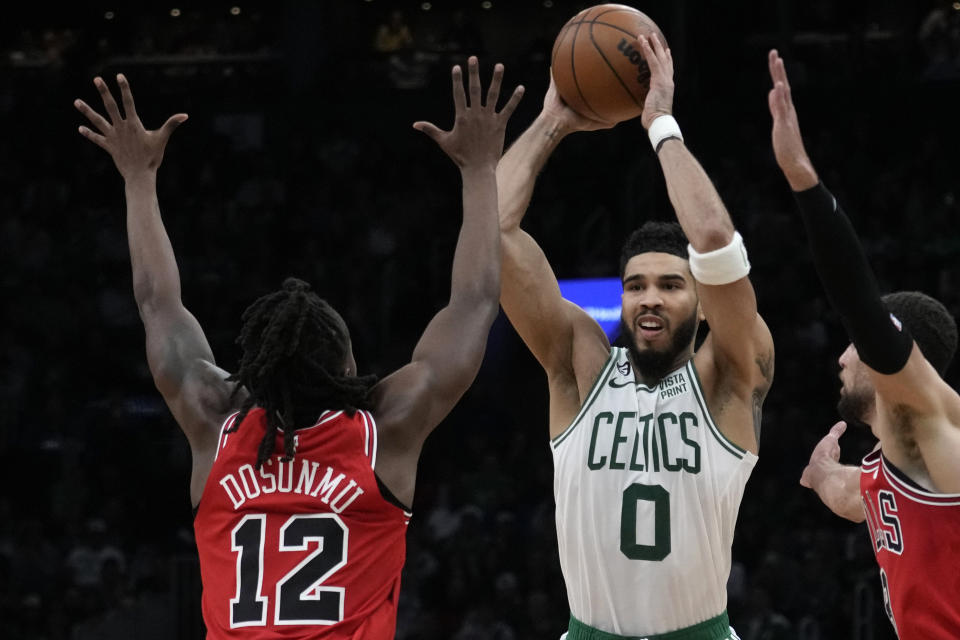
x,y
277,476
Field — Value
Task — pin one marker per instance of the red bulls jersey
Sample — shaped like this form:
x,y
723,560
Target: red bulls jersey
x,y
307,548
916,538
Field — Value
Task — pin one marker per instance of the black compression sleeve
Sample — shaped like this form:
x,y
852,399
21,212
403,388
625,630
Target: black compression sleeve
x,y
850,284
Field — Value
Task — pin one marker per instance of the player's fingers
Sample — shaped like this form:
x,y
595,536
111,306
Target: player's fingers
x,y
780,95
473,69
95,118
434,132
804,480
648,54
512,103
772,57
108,102
493,92
171,124
93,137
129,109
459,97
782,74
837,430
657,45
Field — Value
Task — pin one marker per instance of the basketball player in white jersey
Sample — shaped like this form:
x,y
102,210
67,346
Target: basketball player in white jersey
x,y
652,443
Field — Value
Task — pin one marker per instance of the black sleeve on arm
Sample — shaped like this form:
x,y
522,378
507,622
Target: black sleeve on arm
x,y
850,284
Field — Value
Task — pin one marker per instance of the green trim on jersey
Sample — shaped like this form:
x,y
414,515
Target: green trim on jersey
x,y
738,452
716,628
594,392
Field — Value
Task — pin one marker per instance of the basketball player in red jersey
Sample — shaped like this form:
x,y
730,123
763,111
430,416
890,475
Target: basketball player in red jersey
x,y
302,470
909,486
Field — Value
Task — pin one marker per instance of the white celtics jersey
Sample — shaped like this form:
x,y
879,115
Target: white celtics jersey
x,y
647,492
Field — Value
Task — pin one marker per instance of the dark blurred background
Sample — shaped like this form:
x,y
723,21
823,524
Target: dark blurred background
x,y
299,159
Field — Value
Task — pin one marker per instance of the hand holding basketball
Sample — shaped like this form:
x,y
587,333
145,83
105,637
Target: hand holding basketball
x,y
478,130
598,67
555,108
659,101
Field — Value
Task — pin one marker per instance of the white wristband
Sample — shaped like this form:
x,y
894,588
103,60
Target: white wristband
x,y
720,266
661,128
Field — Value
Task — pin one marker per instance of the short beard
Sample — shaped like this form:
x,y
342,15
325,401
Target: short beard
x,y
654,364
853,407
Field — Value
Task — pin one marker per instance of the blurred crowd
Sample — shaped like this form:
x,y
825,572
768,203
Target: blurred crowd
x,y
299,160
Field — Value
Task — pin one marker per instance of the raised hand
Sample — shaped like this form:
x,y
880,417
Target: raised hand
x,y
478,129
787,143
134,149
659,100
557,109
825,458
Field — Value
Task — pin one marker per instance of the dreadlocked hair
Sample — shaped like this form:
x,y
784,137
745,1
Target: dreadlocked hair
x,y
294,348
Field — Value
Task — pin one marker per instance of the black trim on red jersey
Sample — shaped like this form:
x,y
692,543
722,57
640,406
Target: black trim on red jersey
x,y
388,495
901,476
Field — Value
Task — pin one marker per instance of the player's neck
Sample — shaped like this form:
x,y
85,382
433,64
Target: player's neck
x,y
651,376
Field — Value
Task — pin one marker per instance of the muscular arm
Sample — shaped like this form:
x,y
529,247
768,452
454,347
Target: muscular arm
x,y
562,337
180,359
840,491
739,347
912,395
411,402
530,294
179,356
447,357
740,339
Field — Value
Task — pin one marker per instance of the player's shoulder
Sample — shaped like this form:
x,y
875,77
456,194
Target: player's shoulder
x,y
205,400
589,349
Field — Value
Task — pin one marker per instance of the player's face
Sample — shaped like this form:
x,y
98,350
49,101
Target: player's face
x,y
660,309
857,393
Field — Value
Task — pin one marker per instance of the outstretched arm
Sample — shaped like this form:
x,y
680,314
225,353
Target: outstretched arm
x,y
530,294
739,341
837,255
561,336
838,485
412,401
905,381
179,356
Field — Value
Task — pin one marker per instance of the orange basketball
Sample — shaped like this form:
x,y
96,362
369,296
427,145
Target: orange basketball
x,y
597,67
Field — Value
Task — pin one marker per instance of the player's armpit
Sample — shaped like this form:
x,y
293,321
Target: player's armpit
x,y
183,369
740,338
917,402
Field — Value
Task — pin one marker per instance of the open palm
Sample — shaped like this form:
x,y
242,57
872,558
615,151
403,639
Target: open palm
x,y
134,149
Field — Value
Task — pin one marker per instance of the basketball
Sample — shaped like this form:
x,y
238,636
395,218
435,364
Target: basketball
x,y
598,69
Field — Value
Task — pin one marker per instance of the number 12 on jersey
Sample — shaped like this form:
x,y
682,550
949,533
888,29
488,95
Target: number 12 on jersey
x,y
300,597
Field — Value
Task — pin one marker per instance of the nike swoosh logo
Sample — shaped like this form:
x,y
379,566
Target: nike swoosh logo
x,y
613,383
